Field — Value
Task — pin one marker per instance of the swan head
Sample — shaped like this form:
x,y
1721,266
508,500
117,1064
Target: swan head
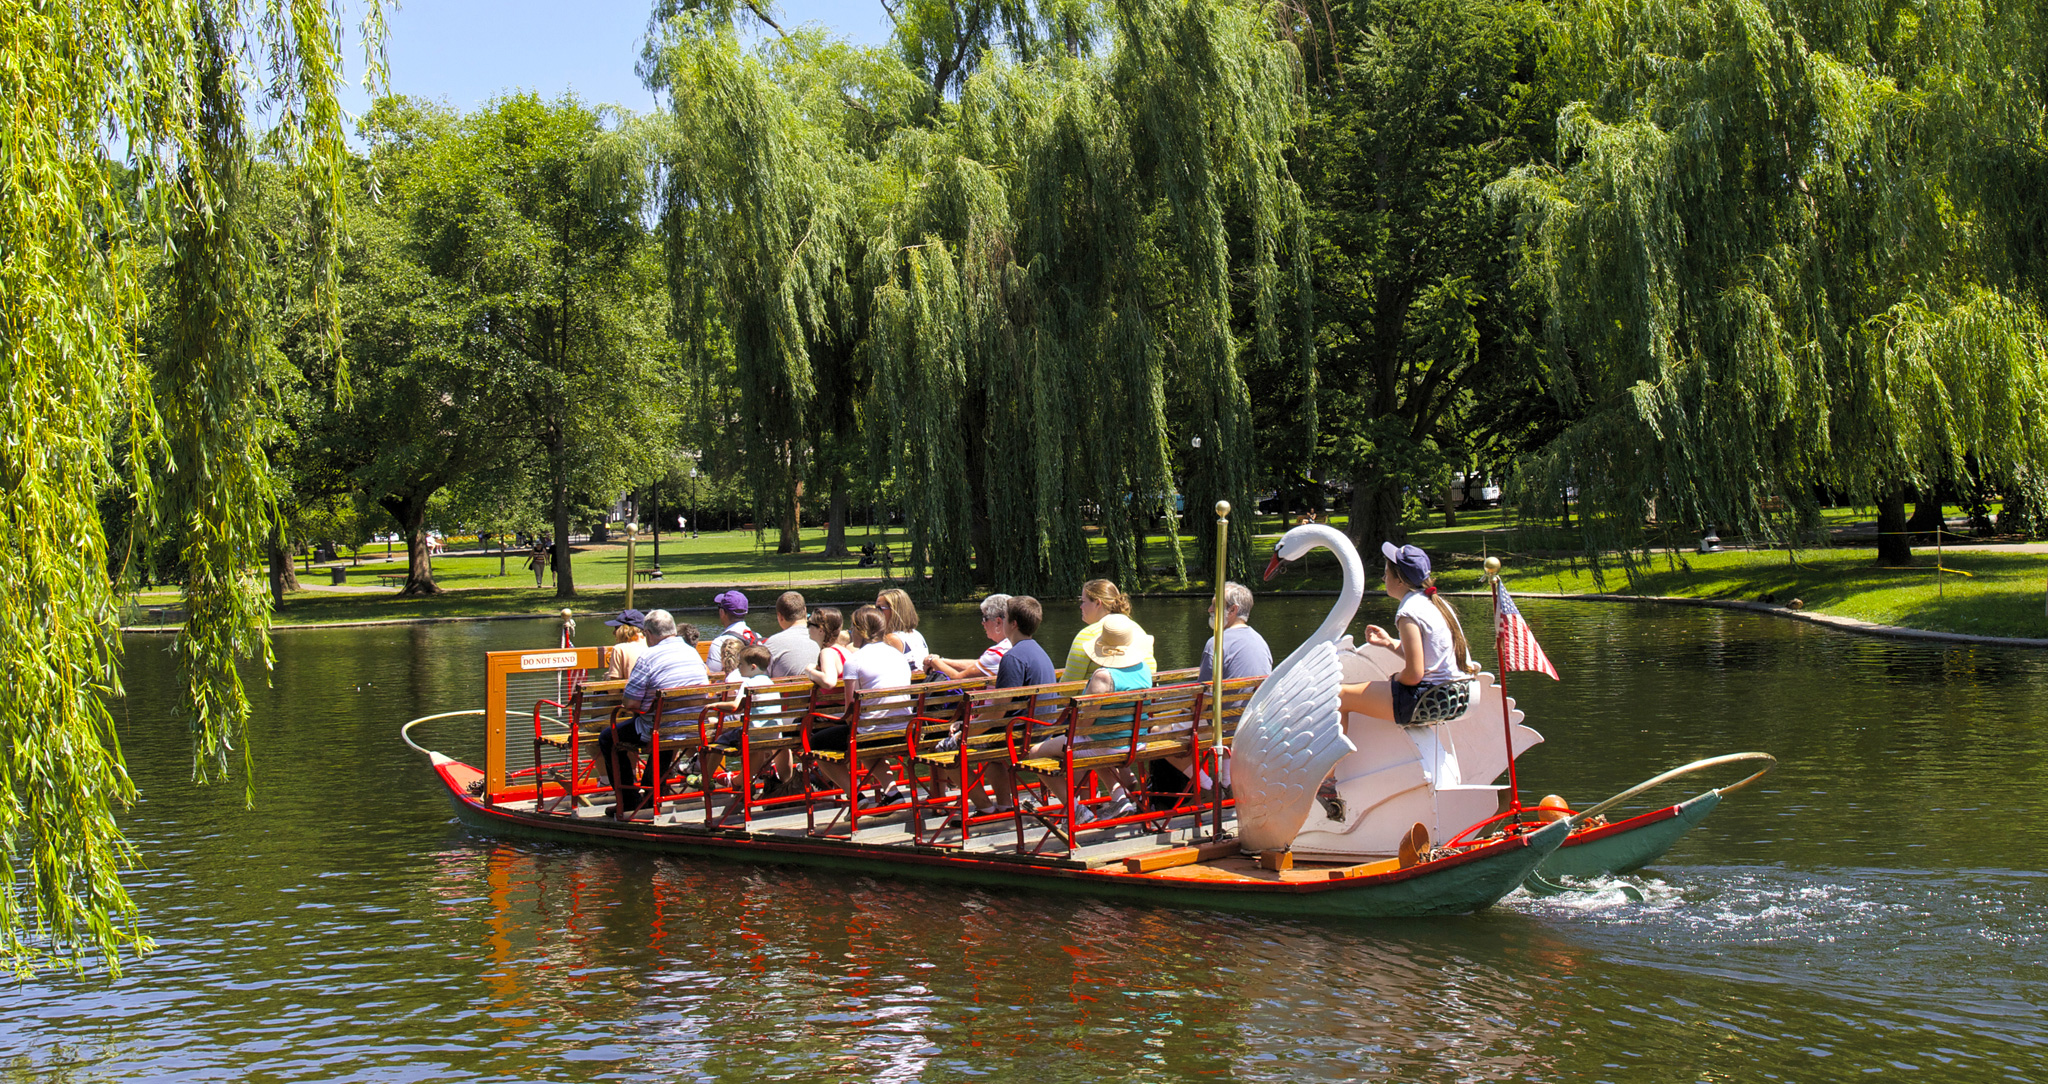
x,y
1295,544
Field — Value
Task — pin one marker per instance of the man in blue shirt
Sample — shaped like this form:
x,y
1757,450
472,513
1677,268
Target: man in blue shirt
x,y
1245,654
668,662
1026,663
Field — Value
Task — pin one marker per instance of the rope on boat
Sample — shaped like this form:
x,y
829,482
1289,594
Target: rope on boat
x,y
405,732
1697,765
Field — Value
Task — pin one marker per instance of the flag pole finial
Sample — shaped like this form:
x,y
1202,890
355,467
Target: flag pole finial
x,y
1492,567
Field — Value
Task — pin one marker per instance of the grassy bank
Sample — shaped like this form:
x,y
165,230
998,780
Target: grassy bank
x,y
1975,592
1994,592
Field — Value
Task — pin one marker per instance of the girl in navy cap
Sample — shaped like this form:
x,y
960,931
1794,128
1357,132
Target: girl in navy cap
x,y
1436,666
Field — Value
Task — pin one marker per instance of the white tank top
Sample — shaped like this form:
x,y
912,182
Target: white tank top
x,y
1439,658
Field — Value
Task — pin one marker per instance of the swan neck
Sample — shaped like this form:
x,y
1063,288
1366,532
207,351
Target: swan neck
x,y
1353,591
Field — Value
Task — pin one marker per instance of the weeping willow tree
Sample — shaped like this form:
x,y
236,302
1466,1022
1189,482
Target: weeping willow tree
x,y
1762,273
1032,261
80,237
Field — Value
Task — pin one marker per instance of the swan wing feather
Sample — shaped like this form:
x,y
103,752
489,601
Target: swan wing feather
x,y
1291,735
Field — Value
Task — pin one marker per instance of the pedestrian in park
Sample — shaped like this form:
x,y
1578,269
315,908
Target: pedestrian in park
x,y
791,651
538,562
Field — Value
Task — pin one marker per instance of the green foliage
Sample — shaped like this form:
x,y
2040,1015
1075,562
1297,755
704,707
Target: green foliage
x,y
1763,265
78,236
1004,282
505,315
1417,311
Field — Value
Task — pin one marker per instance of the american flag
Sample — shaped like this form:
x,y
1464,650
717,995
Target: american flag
x,y
1513,639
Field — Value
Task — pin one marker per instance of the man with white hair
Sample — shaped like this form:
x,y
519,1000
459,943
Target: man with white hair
x,y
1245,653
995,616
668,662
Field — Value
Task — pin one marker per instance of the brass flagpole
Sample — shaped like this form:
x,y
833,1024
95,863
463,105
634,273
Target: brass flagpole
x,y
1216,667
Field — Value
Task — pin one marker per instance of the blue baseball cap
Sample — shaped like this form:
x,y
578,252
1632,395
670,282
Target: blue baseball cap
x,y
732,602
631,618
1409,561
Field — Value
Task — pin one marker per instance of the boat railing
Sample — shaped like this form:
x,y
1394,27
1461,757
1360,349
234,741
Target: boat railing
x,y
1525,818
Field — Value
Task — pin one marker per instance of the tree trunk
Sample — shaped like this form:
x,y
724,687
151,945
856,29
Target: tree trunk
x,y
835,518
419,561
1450,504
789,531
1927,513
283,577
1894,545
1375,511
565,573
2015,517
411,515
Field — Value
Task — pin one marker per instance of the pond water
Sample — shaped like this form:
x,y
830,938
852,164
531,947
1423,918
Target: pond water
x,y
1877,904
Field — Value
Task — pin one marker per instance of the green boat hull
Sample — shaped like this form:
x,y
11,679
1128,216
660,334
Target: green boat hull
x,y
1627,848
1460,885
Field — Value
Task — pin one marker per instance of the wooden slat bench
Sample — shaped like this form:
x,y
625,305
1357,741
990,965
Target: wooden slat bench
x,y
774,717
1108,732
592,707
886,726
1237,695
684,724
998,724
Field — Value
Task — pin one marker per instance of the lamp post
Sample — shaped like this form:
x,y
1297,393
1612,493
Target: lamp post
x,y
632,536
695,519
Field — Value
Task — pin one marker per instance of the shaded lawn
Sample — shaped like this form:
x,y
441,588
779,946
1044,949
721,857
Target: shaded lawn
x,y
2002,597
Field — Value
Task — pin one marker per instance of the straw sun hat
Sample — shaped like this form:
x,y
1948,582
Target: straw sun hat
x,y
1121,643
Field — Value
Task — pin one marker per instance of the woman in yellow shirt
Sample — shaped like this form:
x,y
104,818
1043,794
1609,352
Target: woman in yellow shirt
x,y
1099,599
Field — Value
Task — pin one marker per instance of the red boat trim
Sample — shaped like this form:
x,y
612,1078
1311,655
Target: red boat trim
x,y
457,776
1592,834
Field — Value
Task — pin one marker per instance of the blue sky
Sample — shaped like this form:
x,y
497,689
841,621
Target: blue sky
x,y
468,51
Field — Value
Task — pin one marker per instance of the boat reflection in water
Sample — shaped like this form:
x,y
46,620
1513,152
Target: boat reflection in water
x,y
680,966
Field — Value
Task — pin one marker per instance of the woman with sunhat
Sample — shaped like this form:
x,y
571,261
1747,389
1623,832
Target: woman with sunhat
x,y
1121,653
1433,683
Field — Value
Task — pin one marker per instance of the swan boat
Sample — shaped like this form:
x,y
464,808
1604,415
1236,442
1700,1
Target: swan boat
x,y
1384,778
1284,843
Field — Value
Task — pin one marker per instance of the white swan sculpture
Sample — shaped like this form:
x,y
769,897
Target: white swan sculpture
x,y
1388,777
1292,732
